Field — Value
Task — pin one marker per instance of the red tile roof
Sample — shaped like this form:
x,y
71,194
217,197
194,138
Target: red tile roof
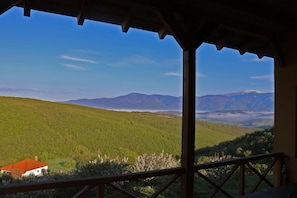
x,y
24,166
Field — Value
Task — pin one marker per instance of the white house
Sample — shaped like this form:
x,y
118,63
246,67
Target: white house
x,y
25,168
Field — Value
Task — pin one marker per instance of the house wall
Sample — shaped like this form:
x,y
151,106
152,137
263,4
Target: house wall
x,y
285,104
36,172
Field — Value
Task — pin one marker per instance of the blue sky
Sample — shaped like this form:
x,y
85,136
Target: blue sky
x,y
50,57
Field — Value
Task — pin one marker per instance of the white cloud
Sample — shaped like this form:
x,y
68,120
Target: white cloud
x,y
264,59
74,67
140,60
172,74
14,89
263,77
200,75
72,58
173,61
84,51
180,74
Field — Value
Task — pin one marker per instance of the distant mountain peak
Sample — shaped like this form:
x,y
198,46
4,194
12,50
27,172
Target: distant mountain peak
x,y
252,100
252,91
246,92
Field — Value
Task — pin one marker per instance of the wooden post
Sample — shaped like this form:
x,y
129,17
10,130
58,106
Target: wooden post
x,y
278,177
241,179
188,122
100,191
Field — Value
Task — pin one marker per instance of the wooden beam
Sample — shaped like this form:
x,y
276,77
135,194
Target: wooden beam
x,y
221,41
211,10
162,32
260,56
126,23
27,9
203,33
243,46
242,51
81,13
278,53
220,44
257,11
7,4
173,26
261,51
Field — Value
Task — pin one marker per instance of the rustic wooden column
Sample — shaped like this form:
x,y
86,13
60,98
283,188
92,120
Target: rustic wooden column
x,y
189,38
188,122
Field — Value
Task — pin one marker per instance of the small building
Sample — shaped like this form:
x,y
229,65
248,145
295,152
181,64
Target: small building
x,y
25,168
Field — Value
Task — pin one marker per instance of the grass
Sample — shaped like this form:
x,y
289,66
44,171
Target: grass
x,y
30,127
61,164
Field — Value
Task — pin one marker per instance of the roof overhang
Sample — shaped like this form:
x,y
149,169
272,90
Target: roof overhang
x,y
255,26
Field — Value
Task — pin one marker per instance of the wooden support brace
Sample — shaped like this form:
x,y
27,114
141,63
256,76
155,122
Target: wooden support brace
x,y
85,190
165,186
216,186
115,186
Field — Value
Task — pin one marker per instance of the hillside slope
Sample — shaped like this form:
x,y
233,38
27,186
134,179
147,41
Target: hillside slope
x,y
50,130
255,143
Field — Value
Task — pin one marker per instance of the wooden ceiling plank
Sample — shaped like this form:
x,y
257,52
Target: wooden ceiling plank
x,y
262,11
253,31
199,10
227,15
7,4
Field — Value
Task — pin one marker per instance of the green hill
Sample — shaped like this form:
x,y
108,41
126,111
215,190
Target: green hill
x,y
30,127
255,143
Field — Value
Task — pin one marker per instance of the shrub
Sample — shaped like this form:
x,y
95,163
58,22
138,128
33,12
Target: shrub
x,y
155,162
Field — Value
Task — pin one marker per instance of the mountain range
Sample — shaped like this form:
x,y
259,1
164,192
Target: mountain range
x,y
244,101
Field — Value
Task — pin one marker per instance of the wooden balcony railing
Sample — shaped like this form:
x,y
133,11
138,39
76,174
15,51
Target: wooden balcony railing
x,y
240,166
100,183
